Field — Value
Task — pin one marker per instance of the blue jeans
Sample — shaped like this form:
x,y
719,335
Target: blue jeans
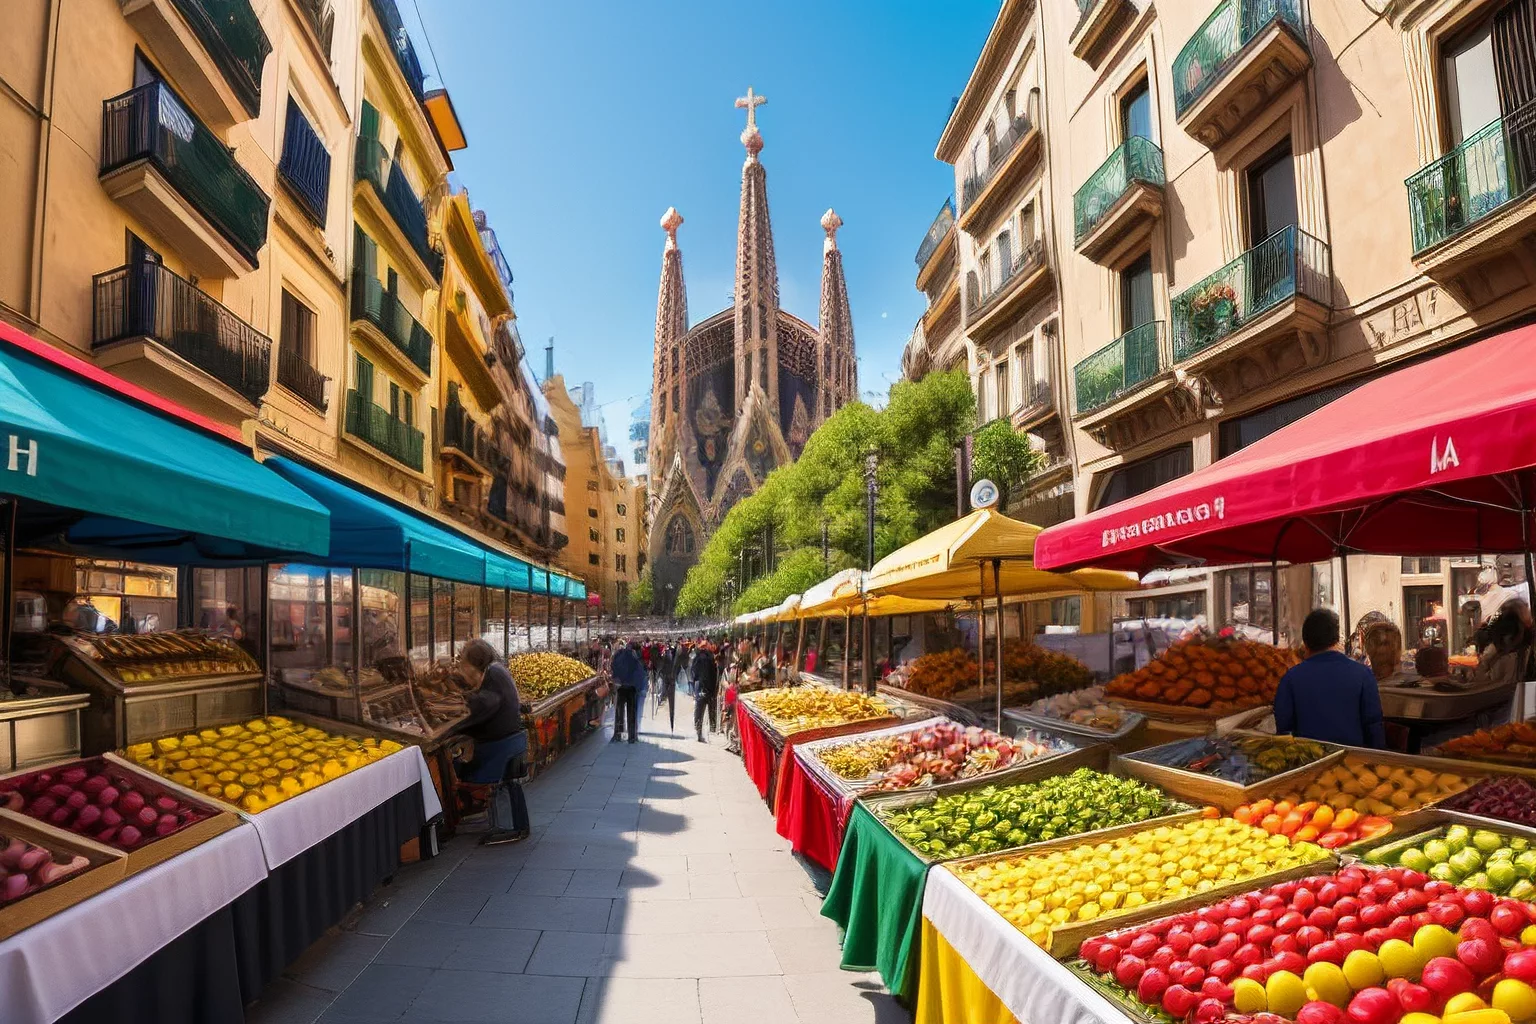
x,y
491,758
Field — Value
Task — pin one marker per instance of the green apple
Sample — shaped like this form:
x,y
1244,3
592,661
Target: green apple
x,y
1456,837
1487,841
1444,872
1414,859
1438,851
1502,875
1476,881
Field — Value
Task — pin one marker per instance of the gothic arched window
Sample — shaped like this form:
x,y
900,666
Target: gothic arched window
x,y
679,537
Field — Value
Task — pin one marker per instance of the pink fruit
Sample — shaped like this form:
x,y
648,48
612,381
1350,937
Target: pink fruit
x,y
1521,964
129,803
147,816
1247,955
1350,941
1091,948
1180,942
1446,977
42,806
1309,935
1189,975
1481,956
59,791
1214,988
89,815
1152,985
95,784
31,859
1241,906
1402,928
1448,914
1257,972
165,803
166,825
128,836
1375,915
107,834
1373,1006
1304,900
1201,955
1272,900
1178,1001
108,796
1319,1013
110,817
62,815
74,776
77,800
1266,915
12,886
1325,918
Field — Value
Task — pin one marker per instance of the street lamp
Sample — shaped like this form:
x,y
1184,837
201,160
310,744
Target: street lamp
x,y
871,465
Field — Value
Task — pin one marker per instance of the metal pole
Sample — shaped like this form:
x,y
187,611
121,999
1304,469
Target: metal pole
x,y
1274,602
1349,627
799,648
868,660
529,623
847,629
981,627
997,588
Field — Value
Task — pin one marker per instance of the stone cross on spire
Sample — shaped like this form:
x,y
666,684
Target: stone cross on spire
x,y
670,222
750,137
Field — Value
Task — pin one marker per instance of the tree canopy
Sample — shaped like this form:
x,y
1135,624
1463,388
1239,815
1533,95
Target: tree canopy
x,y
915,436
1003,455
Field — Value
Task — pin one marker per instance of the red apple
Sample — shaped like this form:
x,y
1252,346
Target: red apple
x,y
1293,962
1163,958
1303,901
1437,888
1446,977
1414,879
1326,952
1373,1006
1201,955
1374,937
130,802
1476,902
1447,913
1374,915
1289,922
1349,941
1323,917
1227,944
1152,985
1261,935
1521,964
1178,1001
1216,988
1481,956
1209,1011
1180,941
1411,997
1248,954
1478,928
1421,919
1285,890
1240,906
1272,900
1256,972
1143,945
1129,970
1285,944
1264,915
1346,905
1402,928
1507,920
1310,935
1205,932
1104,957
1318,1012
108,796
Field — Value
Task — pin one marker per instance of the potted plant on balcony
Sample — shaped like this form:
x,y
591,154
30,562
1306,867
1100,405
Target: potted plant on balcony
x,y
1213,309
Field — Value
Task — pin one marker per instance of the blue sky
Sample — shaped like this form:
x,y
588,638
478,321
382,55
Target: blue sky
x,y
587,120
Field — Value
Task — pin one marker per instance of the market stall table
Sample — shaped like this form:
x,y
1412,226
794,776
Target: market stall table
x,y
124,955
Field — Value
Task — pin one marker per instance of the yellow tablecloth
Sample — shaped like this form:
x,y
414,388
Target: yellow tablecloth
x,y
948,991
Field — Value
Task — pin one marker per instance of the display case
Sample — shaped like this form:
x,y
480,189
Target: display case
x,y
39,722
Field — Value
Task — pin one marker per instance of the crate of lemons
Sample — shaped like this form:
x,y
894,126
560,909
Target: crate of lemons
x,y
254,765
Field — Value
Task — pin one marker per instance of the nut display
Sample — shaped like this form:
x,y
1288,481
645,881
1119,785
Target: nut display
x,y
541,674
1219,673
793,709
1244,760
998,817
102,801
259,763
859,759
1029,671
26,868
1082,883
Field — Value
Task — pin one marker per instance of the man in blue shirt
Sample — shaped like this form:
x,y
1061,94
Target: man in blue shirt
x,y
1329,697
628,673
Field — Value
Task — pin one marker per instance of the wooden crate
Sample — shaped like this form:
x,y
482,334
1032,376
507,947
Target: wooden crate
x,y
1219,792
108,867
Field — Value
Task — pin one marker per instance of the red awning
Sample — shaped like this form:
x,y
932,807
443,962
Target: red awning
x,y
1434,459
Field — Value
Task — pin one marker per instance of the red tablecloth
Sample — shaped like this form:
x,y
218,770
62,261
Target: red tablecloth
x,y
756,751
809,815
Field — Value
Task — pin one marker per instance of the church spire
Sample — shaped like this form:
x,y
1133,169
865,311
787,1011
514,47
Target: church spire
x,y
671,326
839,381
757,276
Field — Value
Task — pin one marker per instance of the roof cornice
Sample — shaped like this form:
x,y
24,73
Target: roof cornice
x,y
995,55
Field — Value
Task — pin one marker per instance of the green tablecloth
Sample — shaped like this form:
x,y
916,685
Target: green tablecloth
x,y
877,899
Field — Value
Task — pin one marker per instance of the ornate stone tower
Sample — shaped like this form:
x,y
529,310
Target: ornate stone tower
x,y
667,372
757,276
839,382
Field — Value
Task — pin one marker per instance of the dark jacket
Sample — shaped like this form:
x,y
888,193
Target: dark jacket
x,y
704,674
626,668
1331,698
495,712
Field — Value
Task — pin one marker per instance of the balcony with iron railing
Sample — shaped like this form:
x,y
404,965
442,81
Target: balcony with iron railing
x,y
305,166
372,303
1471,203
1095,18
220,224
1119,200
942,224
145,303
1119,368
462,435
394,192
374,425
1232,305
298,374
321,20
1019,282
1008,157
400,45
1246,53
214,50
1037,399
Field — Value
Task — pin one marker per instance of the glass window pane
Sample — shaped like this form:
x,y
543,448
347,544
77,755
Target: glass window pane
x,y
442,621
468,615
341,619
496,618
1136,114
296,600
421,622
381,595
1471,85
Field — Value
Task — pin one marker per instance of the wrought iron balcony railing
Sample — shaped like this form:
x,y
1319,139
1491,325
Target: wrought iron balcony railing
x,y
496,500
373,424
997,154
1221,40
400,42
1137,159
321,20
1288,263
146,300
371,302
1037,395
1119,367
151,123
1489,169
936,231
295,373
232,34
1027,259
459,431
305,165
404,205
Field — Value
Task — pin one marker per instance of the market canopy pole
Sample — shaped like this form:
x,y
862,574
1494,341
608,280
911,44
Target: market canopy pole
x,y
997,569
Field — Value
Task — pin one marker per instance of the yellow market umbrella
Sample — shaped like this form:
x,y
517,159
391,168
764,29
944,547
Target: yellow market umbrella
x,y
982,555
830,596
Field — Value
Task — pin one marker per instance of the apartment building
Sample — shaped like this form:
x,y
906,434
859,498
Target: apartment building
x,y
1248,207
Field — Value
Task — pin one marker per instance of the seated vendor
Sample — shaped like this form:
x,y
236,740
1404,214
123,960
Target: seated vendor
x,y
1329,696
495,723
1504,644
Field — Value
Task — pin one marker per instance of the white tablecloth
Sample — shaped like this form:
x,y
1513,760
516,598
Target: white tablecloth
x,y
49,969
1035,988
295,825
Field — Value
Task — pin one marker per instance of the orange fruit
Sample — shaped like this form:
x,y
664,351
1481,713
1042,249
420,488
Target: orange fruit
x,y
1306,834
1271,823
1244,814
1262,807
1284,807
1323,817
1346,818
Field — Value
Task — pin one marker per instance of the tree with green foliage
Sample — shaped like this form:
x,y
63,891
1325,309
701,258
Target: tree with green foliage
x,y
642,599
914,435
1004,455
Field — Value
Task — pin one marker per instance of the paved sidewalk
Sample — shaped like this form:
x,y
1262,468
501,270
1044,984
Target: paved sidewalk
x,y
654,889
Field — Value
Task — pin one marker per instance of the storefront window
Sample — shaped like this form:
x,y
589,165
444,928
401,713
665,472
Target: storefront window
x,y
342,637
442,621
1248,603
227,602
421,622
468,615
1467,613
496,619
122,597
1187,606
1058,611
298,602
1424,618
382,600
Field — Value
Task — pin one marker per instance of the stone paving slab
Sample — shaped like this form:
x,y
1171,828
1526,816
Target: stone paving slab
x,y
654,889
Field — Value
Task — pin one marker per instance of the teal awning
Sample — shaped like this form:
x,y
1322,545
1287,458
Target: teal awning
x,y
502,571
372,533
146,483
540,580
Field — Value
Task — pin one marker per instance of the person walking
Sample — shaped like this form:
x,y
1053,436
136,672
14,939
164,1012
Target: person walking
x,y
1329,696
629,679
495,724
667,685
706,688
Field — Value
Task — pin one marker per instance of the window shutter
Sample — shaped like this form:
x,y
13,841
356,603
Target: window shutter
x,y
368,124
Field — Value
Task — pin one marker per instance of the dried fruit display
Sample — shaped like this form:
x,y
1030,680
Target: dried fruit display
x,y
259,763
143,657
1084,707
541,674
946,751
1354,947
102,801
1029,671
1514,742
1505,797
796,708
1244,760
1048,671
1082,883
1218,673
26,868
1310,821
859,759
941,673
998,817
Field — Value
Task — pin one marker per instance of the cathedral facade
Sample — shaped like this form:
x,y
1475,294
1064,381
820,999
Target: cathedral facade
x,y
738,394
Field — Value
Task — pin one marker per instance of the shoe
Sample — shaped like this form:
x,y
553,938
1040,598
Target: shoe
x,y
616,738
500,836
634,739
702,739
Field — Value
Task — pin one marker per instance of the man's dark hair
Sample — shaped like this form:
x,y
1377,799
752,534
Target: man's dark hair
x,y
479,654
1320,629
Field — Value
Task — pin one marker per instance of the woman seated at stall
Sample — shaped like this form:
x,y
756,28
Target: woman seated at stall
x,y
495,724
